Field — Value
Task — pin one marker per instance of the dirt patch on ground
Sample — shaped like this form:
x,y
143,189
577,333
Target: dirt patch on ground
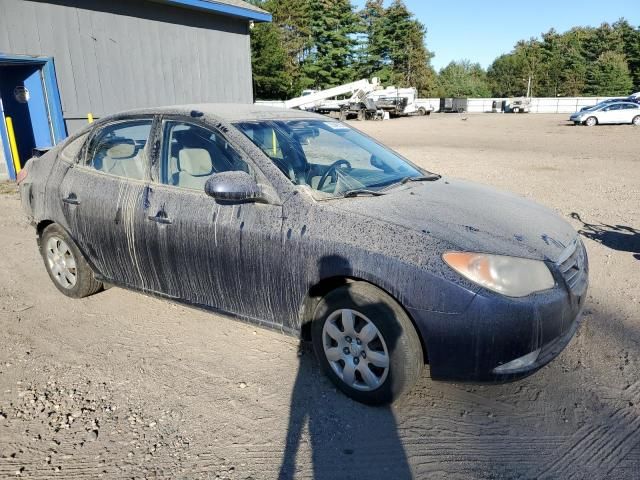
x,y
122,385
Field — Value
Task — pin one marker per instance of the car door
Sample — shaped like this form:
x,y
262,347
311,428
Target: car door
x,y
609,114
103,199
628,112
226,256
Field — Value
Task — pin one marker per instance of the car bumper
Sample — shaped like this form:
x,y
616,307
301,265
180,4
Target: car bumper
x,y
496,330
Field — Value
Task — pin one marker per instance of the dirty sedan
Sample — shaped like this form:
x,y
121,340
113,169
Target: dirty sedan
x,y
301,223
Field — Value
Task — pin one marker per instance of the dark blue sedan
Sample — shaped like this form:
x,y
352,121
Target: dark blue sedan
x,y
301,223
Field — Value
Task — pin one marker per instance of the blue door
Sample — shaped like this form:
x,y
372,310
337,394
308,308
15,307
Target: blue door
x,y
23,99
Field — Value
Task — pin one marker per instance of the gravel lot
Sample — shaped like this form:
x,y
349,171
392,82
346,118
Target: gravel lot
x,y
122,385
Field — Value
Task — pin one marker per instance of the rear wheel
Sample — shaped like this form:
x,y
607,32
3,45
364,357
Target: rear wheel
x,y
591,121
67,268
516,110
366,343
636,121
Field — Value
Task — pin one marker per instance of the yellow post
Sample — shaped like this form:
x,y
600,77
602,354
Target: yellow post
x,y
274,144
89,118
13,145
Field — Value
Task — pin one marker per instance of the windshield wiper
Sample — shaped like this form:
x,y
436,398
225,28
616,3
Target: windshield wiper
x,y
422,178
362,191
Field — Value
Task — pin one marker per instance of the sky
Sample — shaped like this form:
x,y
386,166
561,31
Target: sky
x,y
481,30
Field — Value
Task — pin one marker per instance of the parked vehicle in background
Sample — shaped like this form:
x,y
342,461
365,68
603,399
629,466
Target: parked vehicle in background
x,y
608,113
604,102
453,105
396,102
296,221
519,105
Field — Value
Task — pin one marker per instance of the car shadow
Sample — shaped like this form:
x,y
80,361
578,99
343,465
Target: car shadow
x,y
617,237
346,439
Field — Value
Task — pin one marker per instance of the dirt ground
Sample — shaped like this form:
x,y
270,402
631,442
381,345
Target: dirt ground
x,y
121,385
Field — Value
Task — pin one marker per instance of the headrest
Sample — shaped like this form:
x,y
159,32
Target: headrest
x,y
121,151
195,161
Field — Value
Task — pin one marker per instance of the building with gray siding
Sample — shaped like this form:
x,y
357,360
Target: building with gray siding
x,y
61,60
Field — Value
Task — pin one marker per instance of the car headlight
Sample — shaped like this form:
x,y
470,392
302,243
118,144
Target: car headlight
x,y
510,276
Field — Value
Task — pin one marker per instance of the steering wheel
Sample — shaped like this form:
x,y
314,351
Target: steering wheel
x,y
332,171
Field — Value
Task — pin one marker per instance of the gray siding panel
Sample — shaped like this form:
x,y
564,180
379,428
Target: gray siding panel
x,y
114,55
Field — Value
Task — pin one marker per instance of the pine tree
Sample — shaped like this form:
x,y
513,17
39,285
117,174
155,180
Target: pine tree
x,y
609,76
333,24
407,60
373,43
269,63
631,48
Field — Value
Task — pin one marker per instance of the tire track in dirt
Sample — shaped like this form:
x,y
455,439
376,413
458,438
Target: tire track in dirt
x,y
598,447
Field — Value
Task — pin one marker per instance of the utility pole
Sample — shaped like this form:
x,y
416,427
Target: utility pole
x,y
529,87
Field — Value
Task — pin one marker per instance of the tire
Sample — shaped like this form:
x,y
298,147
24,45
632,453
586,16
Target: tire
x,y
59,252
422,111
384,335
516,110
636,121
591,121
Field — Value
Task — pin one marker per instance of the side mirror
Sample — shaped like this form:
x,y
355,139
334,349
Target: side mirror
x,y
236,186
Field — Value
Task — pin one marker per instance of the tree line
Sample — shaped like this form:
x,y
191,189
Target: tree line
x,y
323,43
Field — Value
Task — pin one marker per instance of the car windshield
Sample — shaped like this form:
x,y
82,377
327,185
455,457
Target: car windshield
x,y
328,156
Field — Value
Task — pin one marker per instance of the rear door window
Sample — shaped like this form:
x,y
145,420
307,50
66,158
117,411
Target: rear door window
x,y
118,149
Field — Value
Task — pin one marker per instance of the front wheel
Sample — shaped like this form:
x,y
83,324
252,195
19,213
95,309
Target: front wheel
x,y
366,344
636,121
516,110
422,111
67,268
591,121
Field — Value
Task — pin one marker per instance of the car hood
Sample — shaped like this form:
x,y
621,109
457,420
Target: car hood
x,y
470,217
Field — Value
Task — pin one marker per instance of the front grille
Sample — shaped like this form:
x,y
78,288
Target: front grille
x,y
573,263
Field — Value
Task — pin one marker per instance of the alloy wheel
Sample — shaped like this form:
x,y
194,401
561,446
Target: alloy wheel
x,y
61,262
355,349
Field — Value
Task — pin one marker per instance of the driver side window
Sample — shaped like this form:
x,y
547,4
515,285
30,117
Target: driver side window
x,y
191,154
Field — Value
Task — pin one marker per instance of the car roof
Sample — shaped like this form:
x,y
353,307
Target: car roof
x,y
229,112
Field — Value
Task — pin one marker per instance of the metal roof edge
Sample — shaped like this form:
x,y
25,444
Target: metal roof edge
x,y
221,8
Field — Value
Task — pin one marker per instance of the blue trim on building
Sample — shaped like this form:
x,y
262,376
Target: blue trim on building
x,y
52,96
53,101
224,9
5,146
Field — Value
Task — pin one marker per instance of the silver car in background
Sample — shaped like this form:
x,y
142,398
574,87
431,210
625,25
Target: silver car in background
x,y
616,112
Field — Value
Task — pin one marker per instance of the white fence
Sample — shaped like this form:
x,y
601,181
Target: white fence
x,y
538,104
479,105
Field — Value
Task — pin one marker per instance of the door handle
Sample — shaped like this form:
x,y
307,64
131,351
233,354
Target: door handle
x,y
162,220
71,199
